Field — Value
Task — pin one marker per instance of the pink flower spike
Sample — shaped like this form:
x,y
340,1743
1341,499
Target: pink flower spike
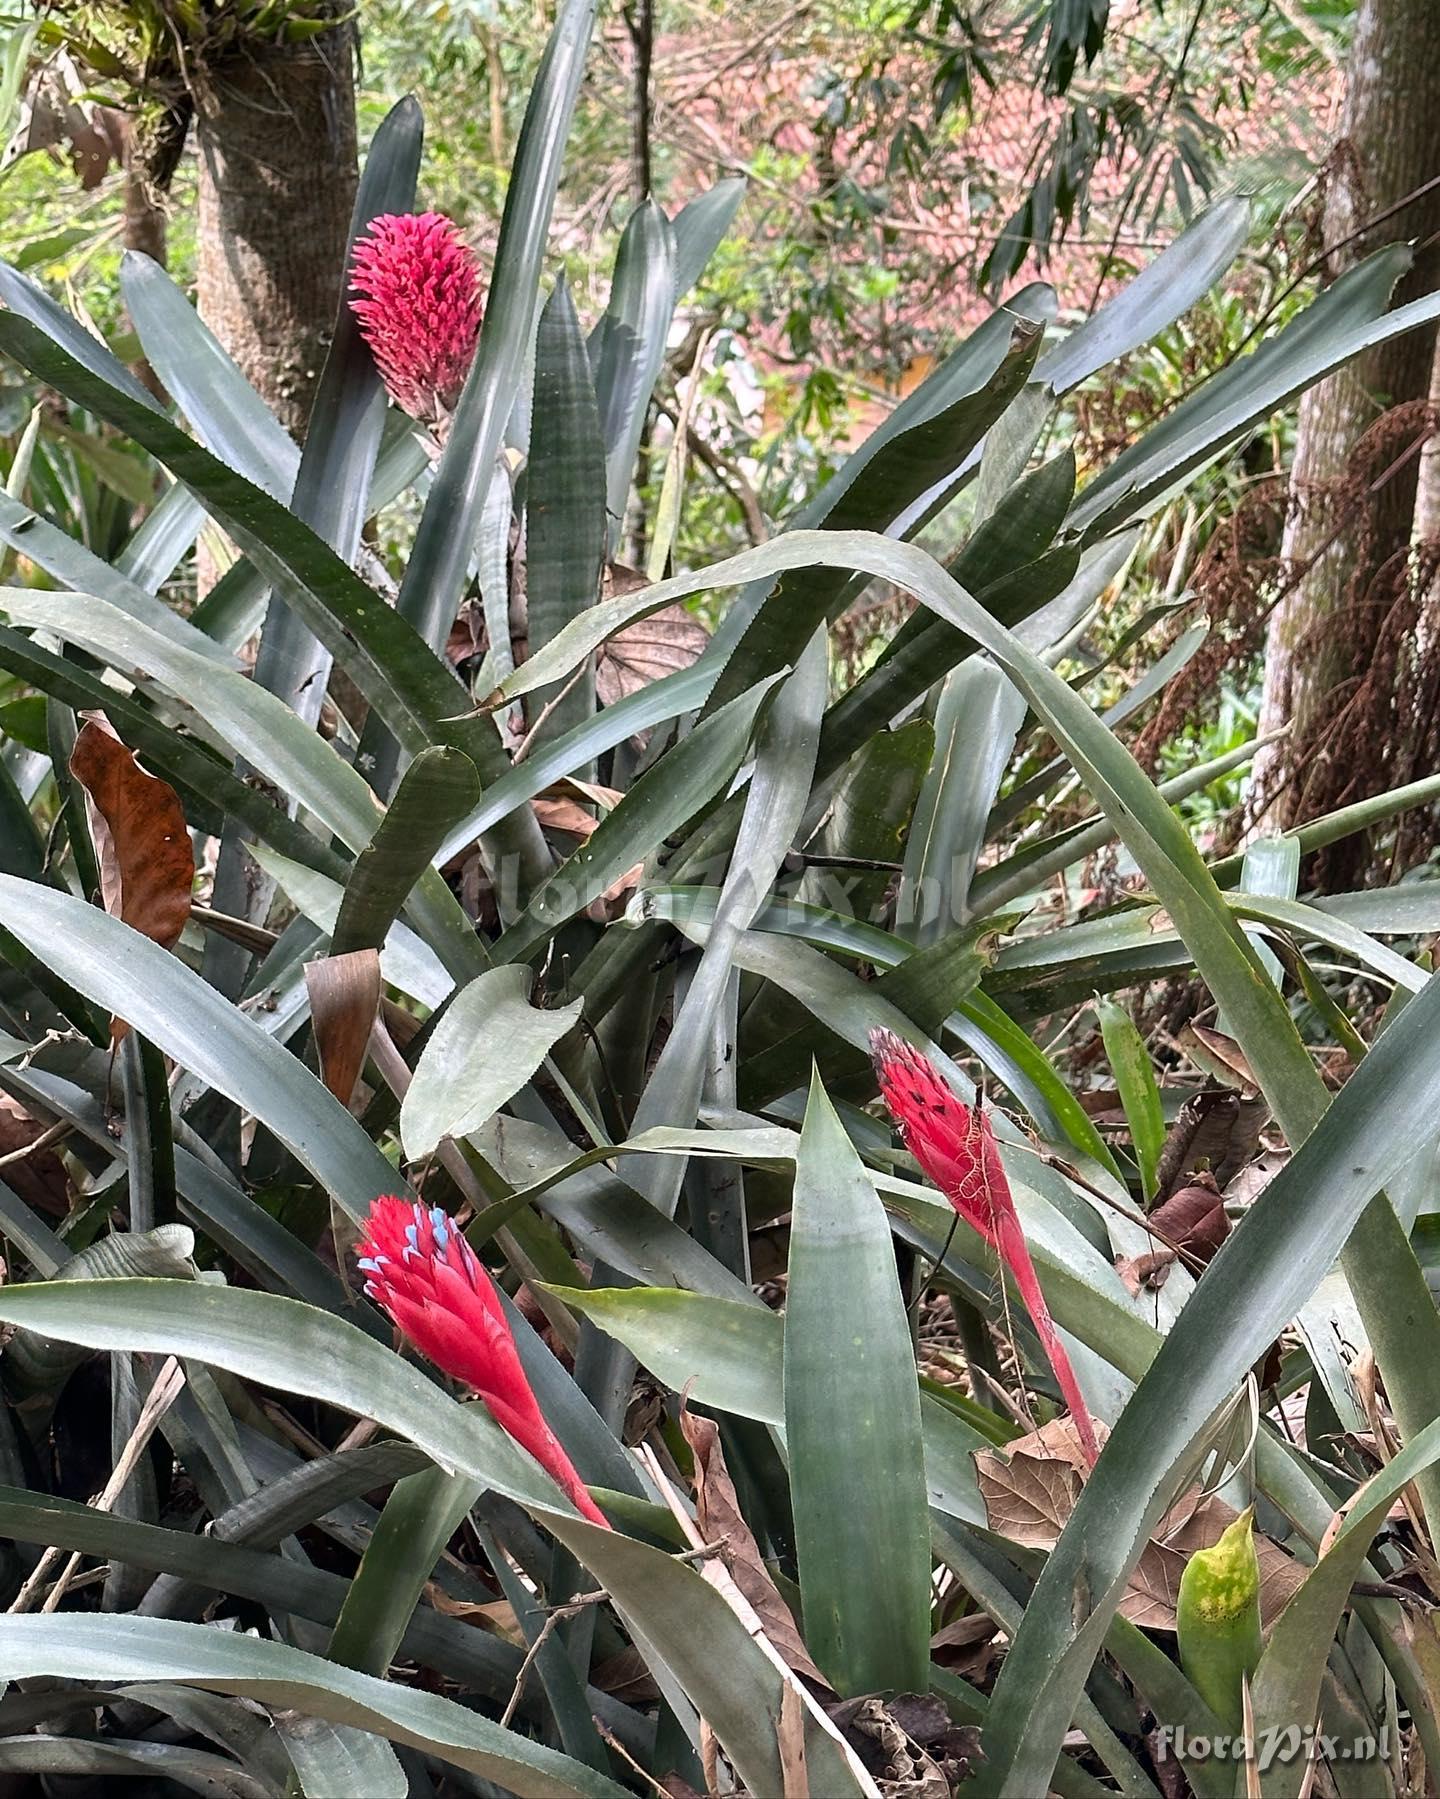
x,y
955,1146
420,1270
418,303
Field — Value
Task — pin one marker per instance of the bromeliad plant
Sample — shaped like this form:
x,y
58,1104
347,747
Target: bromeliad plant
x,y
956,1149
421,1271
559,973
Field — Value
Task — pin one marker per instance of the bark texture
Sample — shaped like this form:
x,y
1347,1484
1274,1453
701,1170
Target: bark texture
x,y
1353,486
143,226
275,126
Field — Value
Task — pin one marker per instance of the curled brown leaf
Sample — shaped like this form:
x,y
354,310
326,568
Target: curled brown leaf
x,y
1194,1218
142,842
718,1514
344,1002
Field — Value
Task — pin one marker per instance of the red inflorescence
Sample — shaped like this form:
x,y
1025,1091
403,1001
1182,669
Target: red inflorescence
x,y
417,292
424,1274
955,1146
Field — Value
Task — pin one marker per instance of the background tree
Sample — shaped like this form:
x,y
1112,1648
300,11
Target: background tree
x,y
1339,636
275,128
269,88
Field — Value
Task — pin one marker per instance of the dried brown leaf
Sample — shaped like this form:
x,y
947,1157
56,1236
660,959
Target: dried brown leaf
x,y
1194,1218
1030,1491
142,842
625,1676
1217,1129
718,1514
618,578
1031,1487
1252,1180
1145,1273
646,651
496,1615
565,815
38,1178
605,799
344,1002
1101,1105
575,806
1155,1584
969,1646
1214,1053
611,901
963,1633
903,1763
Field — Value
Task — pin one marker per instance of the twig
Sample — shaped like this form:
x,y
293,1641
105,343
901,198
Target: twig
x,y
161,1397
640,23
52,1134
523,749
358,1435
560,1614
612,1741
667,524
727,472
868,864
1323,256
720,1577
1007,1399
557,1615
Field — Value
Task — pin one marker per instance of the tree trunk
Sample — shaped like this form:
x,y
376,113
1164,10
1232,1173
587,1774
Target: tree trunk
x,y
1352,502
275,128
275,125
142,227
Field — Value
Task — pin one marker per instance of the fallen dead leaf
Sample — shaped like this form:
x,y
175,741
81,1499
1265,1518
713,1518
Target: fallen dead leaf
x,y
611,900
1216,1129
142,842
1155,1584
497,1616
575,806
39,1178
1145,1273
404,1027
926,1722
625,1676
718,1514
565,815
1252,1180
974,1627
904,1764
1102,1105
1194,1218
969,1646
1215,1054
646,651
1029,1491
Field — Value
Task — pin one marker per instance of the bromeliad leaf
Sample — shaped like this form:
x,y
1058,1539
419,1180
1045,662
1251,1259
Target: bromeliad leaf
x,y
487,1045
